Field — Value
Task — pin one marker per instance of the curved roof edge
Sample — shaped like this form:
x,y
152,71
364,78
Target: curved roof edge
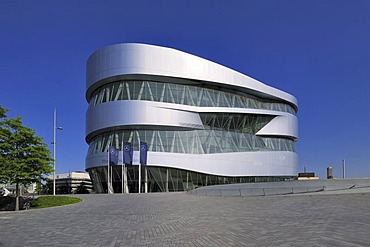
x,y
136,58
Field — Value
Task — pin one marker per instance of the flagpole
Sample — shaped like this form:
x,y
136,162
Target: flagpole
x,y
108,175
127,160
143,161
139,177
122,167
125,179
146,179
122,178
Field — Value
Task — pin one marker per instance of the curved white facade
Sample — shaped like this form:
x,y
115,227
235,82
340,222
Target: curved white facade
x,y
196,116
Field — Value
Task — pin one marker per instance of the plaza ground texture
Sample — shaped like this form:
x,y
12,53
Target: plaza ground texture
x,y
184,219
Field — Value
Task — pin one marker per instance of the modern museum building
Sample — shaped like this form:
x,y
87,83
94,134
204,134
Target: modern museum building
x,y
204,123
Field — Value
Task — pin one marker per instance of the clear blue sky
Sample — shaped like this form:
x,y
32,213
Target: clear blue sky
x,y
319,51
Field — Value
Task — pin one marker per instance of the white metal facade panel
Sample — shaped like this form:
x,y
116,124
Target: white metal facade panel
x,y
123,59
226,164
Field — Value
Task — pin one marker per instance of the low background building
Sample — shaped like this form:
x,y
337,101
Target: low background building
x,y
72,183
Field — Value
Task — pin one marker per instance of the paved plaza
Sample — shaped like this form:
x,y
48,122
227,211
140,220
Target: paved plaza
x,y
181,219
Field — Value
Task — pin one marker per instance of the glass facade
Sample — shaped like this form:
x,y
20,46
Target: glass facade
x,y
223,133
161,179
191,142
182,94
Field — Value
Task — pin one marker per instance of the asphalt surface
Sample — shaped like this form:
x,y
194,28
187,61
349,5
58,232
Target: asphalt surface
x,y
181,219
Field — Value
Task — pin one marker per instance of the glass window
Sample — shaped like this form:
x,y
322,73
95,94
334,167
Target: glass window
x,y
182,94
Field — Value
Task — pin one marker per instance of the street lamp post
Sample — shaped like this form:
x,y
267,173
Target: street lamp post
x,y
55,146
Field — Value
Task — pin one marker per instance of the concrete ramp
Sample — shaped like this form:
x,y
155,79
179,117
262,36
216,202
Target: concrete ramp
x,y
286,188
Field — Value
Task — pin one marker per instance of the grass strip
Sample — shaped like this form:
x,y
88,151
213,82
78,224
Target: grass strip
x,y
53,201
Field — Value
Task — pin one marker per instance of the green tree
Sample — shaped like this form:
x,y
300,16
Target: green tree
x,y
24,157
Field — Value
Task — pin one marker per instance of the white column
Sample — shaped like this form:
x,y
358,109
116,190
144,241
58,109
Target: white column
x,y
187,180
167,175
125,179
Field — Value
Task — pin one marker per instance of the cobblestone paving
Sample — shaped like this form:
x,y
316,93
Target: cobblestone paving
x,y
180,219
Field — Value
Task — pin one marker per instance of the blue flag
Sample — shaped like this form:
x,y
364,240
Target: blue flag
x,y
143,153
113,156
127,153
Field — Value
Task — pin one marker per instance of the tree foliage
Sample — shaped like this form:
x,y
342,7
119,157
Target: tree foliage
x,y
24,157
